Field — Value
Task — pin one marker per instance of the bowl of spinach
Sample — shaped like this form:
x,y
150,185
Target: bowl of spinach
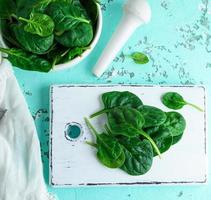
x,y
46,35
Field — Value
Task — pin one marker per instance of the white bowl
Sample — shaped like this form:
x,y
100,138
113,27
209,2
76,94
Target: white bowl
x,y
78,59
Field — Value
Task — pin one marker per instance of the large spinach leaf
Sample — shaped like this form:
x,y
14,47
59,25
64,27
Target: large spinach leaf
x,y
116,99
153,116
109,151
27,61
125,121
80,36
138,156
32,43
66,15
128,122
39,24
175,122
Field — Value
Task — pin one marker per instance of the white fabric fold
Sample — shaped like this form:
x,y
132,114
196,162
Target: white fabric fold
x,y
21,172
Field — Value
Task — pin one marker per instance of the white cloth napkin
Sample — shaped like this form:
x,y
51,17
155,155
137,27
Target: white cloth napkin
x,y
21,172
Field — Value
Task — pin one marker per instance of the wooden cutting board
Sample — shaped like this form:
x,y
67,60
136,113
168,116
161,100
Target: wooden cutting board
x,y
74,163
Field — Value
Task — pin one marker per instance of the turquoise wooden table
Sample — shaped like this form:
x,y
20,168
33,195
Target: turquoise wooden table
x,y
178,42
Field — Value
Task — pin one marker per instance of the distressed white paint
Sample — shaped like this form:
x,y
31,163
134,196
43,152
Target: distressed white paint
x,y
75,163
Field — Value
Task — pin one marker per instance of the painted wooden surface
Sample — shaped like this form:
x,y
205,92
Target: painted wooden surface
x,y
74,163
178,41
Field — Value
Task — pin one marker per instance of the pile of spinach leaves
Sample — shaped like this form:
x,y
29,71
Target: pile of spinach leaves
x,y
42,33
135,132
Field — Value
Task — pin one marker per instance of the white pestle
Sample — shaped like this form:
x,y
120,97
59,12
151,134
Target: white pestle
x,y
137,12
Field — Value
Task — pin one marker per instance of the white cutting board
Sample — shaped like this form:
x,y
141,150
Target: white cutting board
x,y
74,163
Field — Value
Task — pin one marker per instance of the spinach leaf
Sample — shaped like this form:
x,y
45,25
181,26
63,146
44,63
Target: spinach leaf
x,y
26,61
175,122
125,121
80,36
139,58
138,156
175,101
116,99
41,6
32,43
66,15
25,7
7,8
91,7
163,139
39,24
176,139
72,53
153,116
7,34
110,152
128,122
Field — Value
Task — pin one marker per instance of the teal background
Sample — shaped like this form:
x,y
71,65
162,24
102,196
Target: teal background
x,y
178,42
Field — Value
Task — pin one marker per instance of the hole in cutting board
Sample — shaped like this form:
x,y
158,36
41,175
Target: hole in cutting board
x,y
73,131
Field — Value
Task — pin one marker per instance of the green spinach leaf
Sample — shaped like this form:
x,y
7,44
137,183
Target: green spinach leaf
x,y
66,15
117,99
128,122
139,58
80,36
163,139
175,122
175,101
39,24
72,53
138,156
110,152
32,43
7,34
153,116
91,7
7,8
27,61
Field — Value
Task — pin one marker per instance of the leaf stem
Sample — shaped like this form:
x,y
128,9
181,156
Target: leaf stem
x,y
100,113
23,19
91,144
195,106
93,130
108,129
151,141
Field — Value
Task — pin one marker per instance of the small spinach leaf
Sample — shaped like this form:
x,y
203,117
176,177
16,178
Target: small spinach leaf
x,y
153,116
39,24
66,15
175,101
80,36
91,7
138,156
73,53
32,43
27,61
117,99
139,58
110,152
